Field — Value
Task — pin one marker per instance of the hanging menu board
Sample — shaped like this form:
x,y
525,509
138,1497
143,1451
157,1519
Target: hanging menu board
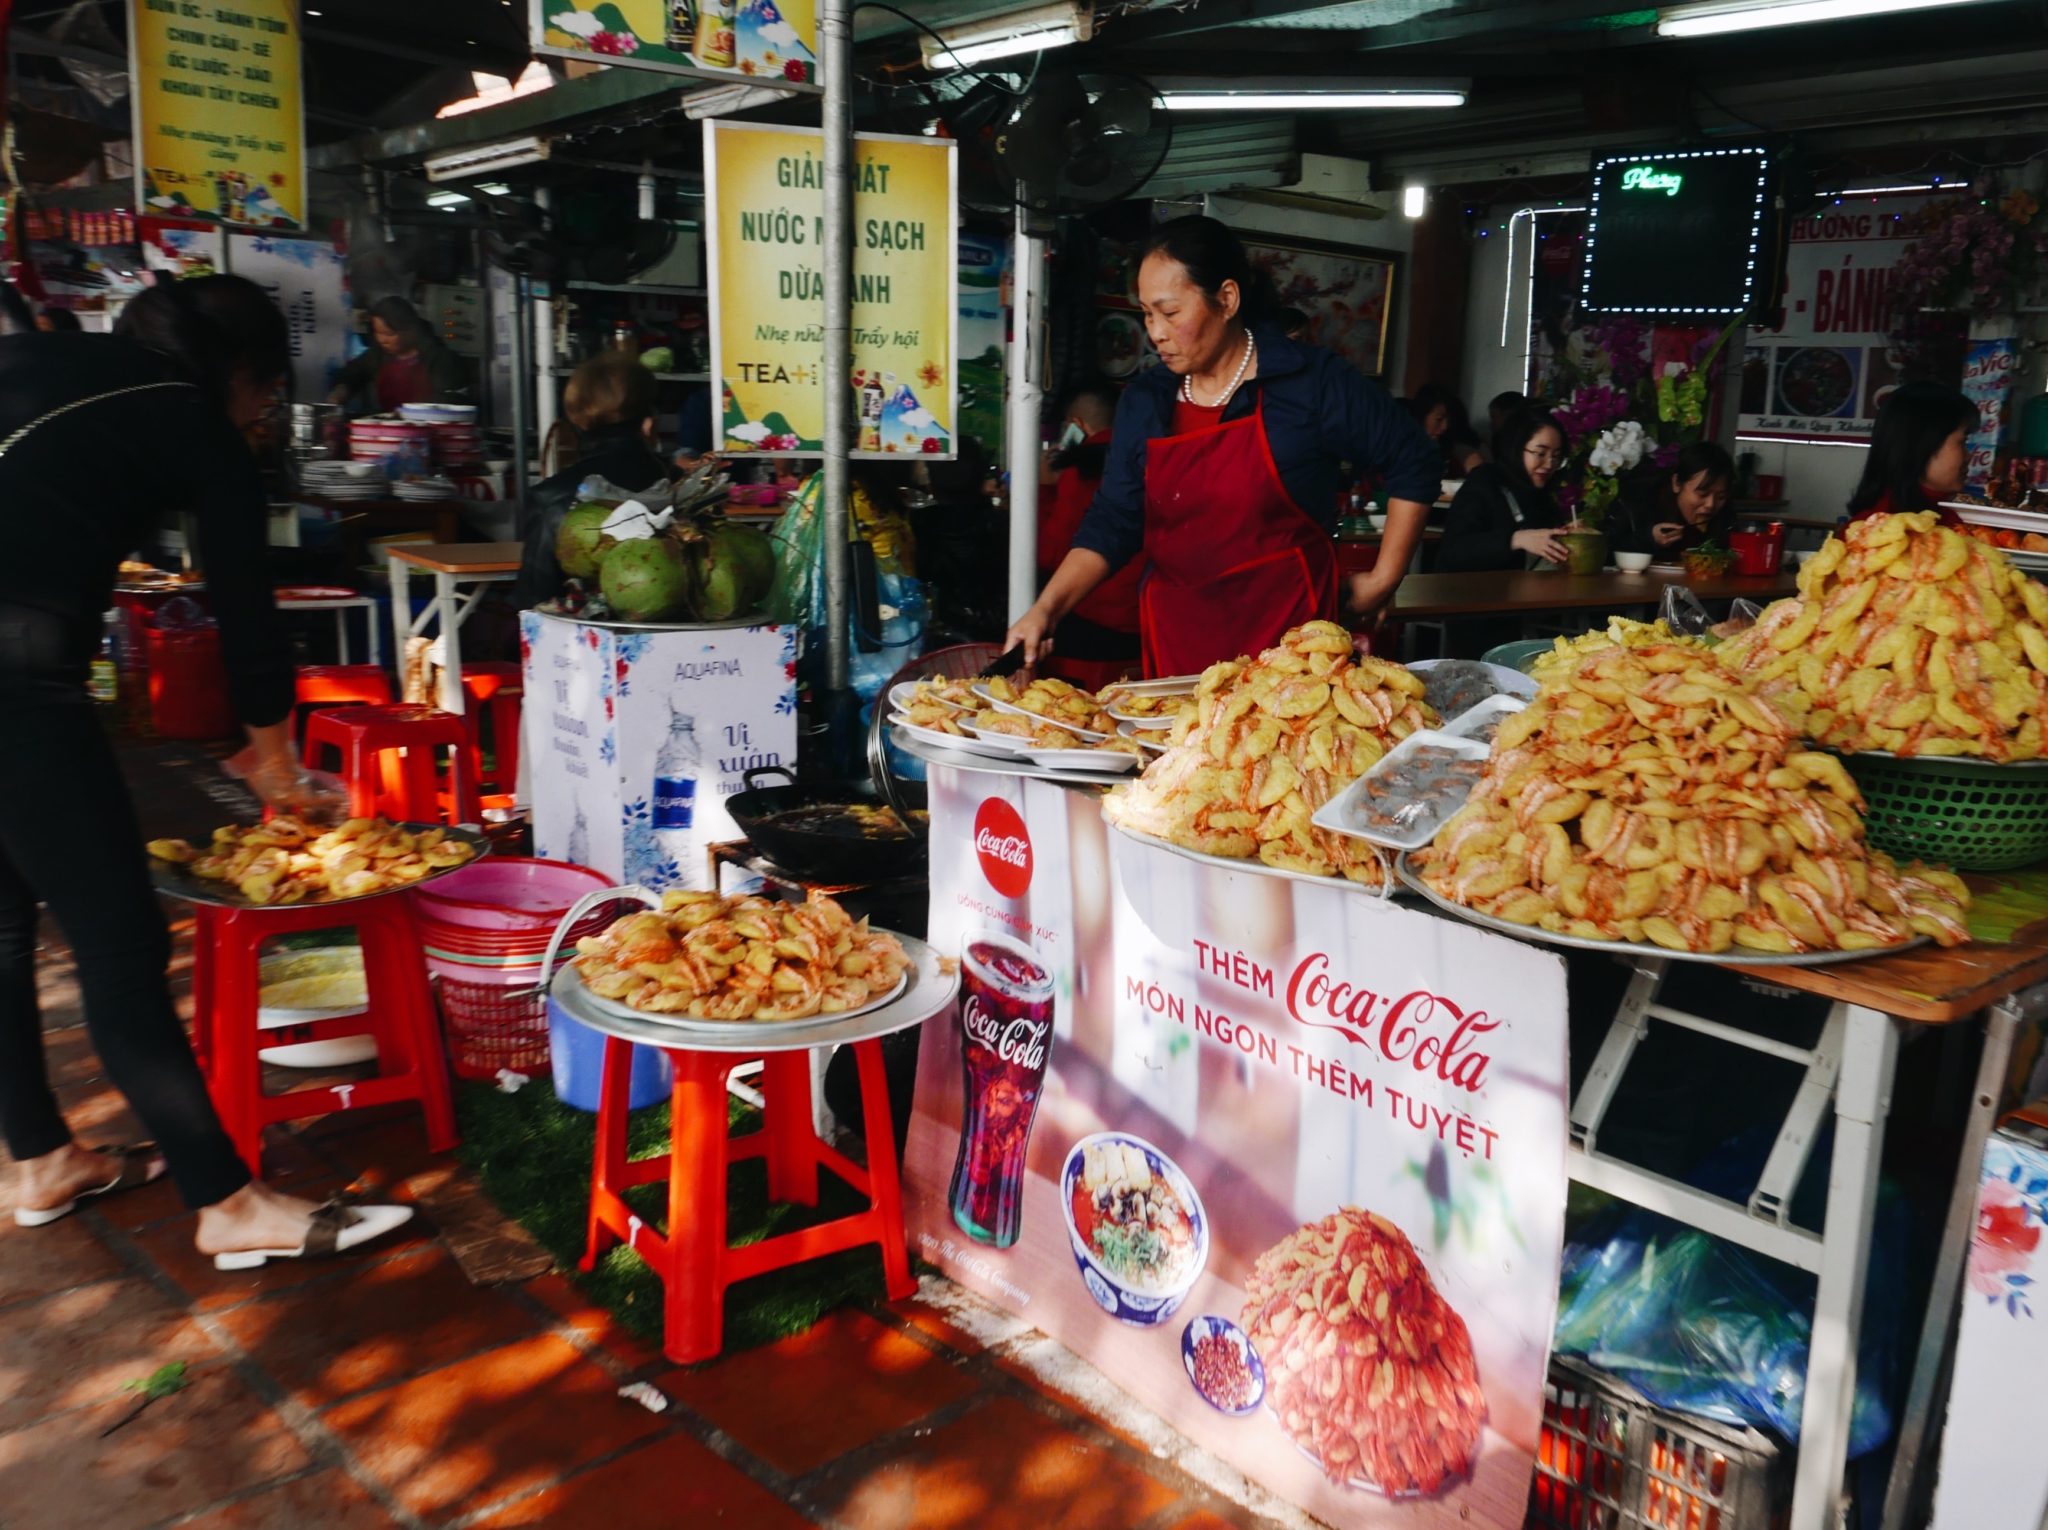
x,y
765,209
219,126
1678,234
762,42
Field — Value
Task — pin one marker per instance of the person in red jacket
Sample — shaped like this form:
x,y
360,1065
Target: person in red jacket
x,y
1099,638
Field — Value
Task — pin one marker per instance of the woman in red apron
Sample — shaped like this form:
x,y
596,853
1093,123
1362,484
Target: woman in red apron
x,y
1224,469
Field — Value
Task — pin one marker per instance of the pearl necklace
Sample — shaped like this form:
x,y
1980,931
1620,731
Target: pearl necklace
x,y
1187,384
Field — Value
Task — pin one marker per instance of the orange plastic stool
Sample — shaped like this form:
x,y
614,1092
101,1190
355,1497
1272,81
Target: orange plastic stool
x,y
405,785
692,1258
495,690
226,946
363,685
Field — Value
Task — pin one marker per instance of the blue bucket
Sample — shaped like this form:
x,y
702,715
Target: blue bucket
x,y
576,1054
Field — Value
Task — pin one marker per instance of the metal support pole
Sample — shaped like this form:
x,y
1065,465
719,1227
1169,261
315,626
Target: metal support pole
x,y
545,394
1021,422
835,37
522,380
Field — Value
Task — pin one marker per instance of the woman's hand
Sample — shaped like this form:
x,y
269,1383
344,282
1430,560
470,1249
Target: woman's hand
x,y
1667,535
1368,597
1034,630
1540,542
270,769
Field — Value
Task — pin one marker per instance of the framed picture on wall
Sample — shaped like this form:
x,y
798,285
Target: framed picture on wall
x,y
1346,291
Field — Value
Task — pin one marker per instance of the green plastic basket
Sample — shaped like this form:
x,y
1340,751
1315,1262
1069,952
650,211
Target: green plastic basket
x,y
1970,815
1519,654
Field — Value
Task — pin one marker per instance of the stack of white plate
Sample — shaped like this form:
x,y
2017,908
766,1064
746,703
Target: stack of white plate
x,y
344,480
419,490
438,414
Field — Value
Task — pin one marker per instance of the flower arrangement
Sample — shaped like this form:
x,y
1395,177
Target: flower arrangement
x,y
1628,400
1971,254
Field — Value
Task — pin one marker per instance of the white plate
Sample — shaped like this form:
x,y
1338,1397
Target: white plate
x,y
1997,518
1172,685
1731,958
1083,759
1149,739
1512,682
902,693
1254,866
1341,814
1010,706
966,744
1004,743
1473,720
618,1010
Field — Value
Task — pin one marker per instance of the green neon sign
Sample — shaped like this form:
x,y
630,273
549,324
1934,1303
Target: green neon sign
x,y
1650,178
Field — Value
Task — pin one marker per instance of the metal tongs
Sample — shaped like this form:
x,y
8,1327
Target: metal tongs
x,y
631,892
1003,664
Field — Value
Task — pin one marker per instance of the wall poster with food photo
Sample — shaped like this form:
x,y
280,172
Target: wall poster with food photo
x,y
1347,293
1284,1160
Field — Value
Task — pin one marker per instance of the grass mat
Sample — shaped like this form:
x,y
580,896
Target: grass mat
x,y
533,1155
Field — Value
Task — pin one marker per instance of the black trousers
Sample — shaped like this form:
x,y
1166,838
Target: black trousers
x,y
69,840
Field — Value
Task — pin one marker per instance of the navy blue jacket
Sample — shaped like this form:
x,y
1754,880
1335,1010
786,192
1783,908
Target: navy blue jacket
x,y
1320,411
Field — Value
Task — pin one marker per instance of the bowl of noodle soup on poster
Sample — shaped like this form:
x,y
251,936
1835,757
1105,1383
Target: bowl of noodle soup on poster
x,y
1139,1234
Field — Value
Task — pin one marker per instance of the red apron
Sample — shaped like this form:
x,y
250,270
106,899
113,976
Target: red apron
x,y
1235,561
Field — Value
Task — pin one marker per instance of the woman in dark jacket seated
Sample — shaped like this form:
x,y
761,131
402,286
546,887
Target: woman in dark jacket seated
x,y
1505,515
1667,514
610,402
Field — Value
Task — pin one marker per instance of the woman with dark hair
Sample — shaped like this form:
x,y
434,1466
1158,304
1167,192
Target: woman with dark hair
x,y
1443,418
1672,513
156,409
1223,470
405,364
1917,457
1505,515
609,404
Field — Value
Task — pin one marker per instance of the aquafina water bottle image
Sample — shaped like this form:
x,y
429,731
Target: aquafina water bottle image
x,y
676,770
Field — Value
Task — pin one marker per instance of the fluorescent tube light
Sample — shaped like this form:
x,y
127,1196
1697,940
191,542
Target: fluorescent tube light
x,y
1879,191
1224,99
1414,200
1750,15
486,158
1013,32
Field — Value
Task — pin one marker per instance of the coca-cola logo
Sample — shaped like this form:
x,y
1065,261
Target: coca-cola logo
x,y
1017,1041
1429,1032
1003,847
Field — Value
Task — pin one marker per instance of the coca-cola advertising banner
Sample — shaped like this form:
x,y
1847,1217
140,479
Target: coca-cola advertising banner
x,y
1822,374
1285,1160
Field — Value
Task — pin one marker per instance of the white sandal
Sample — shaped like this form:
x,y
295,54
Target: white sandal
x,y
140,1165
335,1229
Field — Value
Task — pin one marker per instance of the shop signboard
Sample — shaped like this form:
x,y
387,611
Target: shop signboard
x,y
1821,375
765,206
219,125
761,42
308,280
634,740
1283,1159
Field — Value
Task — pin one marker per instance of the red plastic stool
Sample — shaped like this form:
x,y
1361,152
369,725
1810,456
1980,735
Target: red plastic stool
x,y
404,786
227,944
337,685
692,1259
495,690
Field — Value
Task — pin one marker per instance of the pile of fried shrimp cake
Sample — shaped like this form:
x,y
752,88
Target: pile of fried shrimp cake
x,y
290,861
716,958
1650,796
1910,638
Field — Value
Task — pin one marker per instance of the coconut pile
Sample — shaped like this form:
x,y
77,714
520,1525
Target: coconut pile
x,y
682,561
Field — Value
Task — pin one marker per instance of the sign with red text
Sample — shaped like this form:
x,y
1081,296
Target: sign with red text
x,y
1822,374
1284,1160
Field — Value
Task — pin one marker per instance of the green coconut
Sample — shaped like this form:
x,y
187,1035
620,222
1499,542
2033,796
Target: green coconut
x,y
648,579
581,542
735,569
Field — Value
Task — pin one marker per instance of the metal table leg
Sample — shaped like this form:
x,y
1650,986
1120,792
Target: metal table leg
x,y
400,582
1937,1329
1869,1054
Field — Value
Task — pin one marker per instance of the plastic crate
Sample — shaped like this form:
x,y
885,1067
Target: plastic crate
x,y
491,1026
1610,1459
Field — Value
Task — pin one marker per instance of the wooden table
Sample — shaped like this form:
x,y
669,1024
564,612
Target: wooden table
x,y
1849,1073
452,564
1497,592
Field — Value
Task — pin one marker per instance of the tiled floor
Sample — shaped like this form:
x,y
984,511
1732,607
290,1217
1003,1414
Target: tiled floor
x,y
388,1390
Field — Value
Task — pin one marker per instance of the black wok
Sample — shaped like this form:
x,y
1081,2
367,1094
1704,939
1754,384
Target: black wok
x,y
819,836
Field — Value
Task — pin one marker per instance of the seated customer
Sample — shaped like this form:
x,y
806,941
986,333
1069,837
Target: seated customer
x,y
1441,414
1503,407
610,402
1671,513
1505,515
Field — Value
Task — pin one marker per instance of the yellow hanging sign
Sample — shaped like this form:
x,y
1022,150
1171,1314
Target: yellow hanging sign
x,y
766,233
219,125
